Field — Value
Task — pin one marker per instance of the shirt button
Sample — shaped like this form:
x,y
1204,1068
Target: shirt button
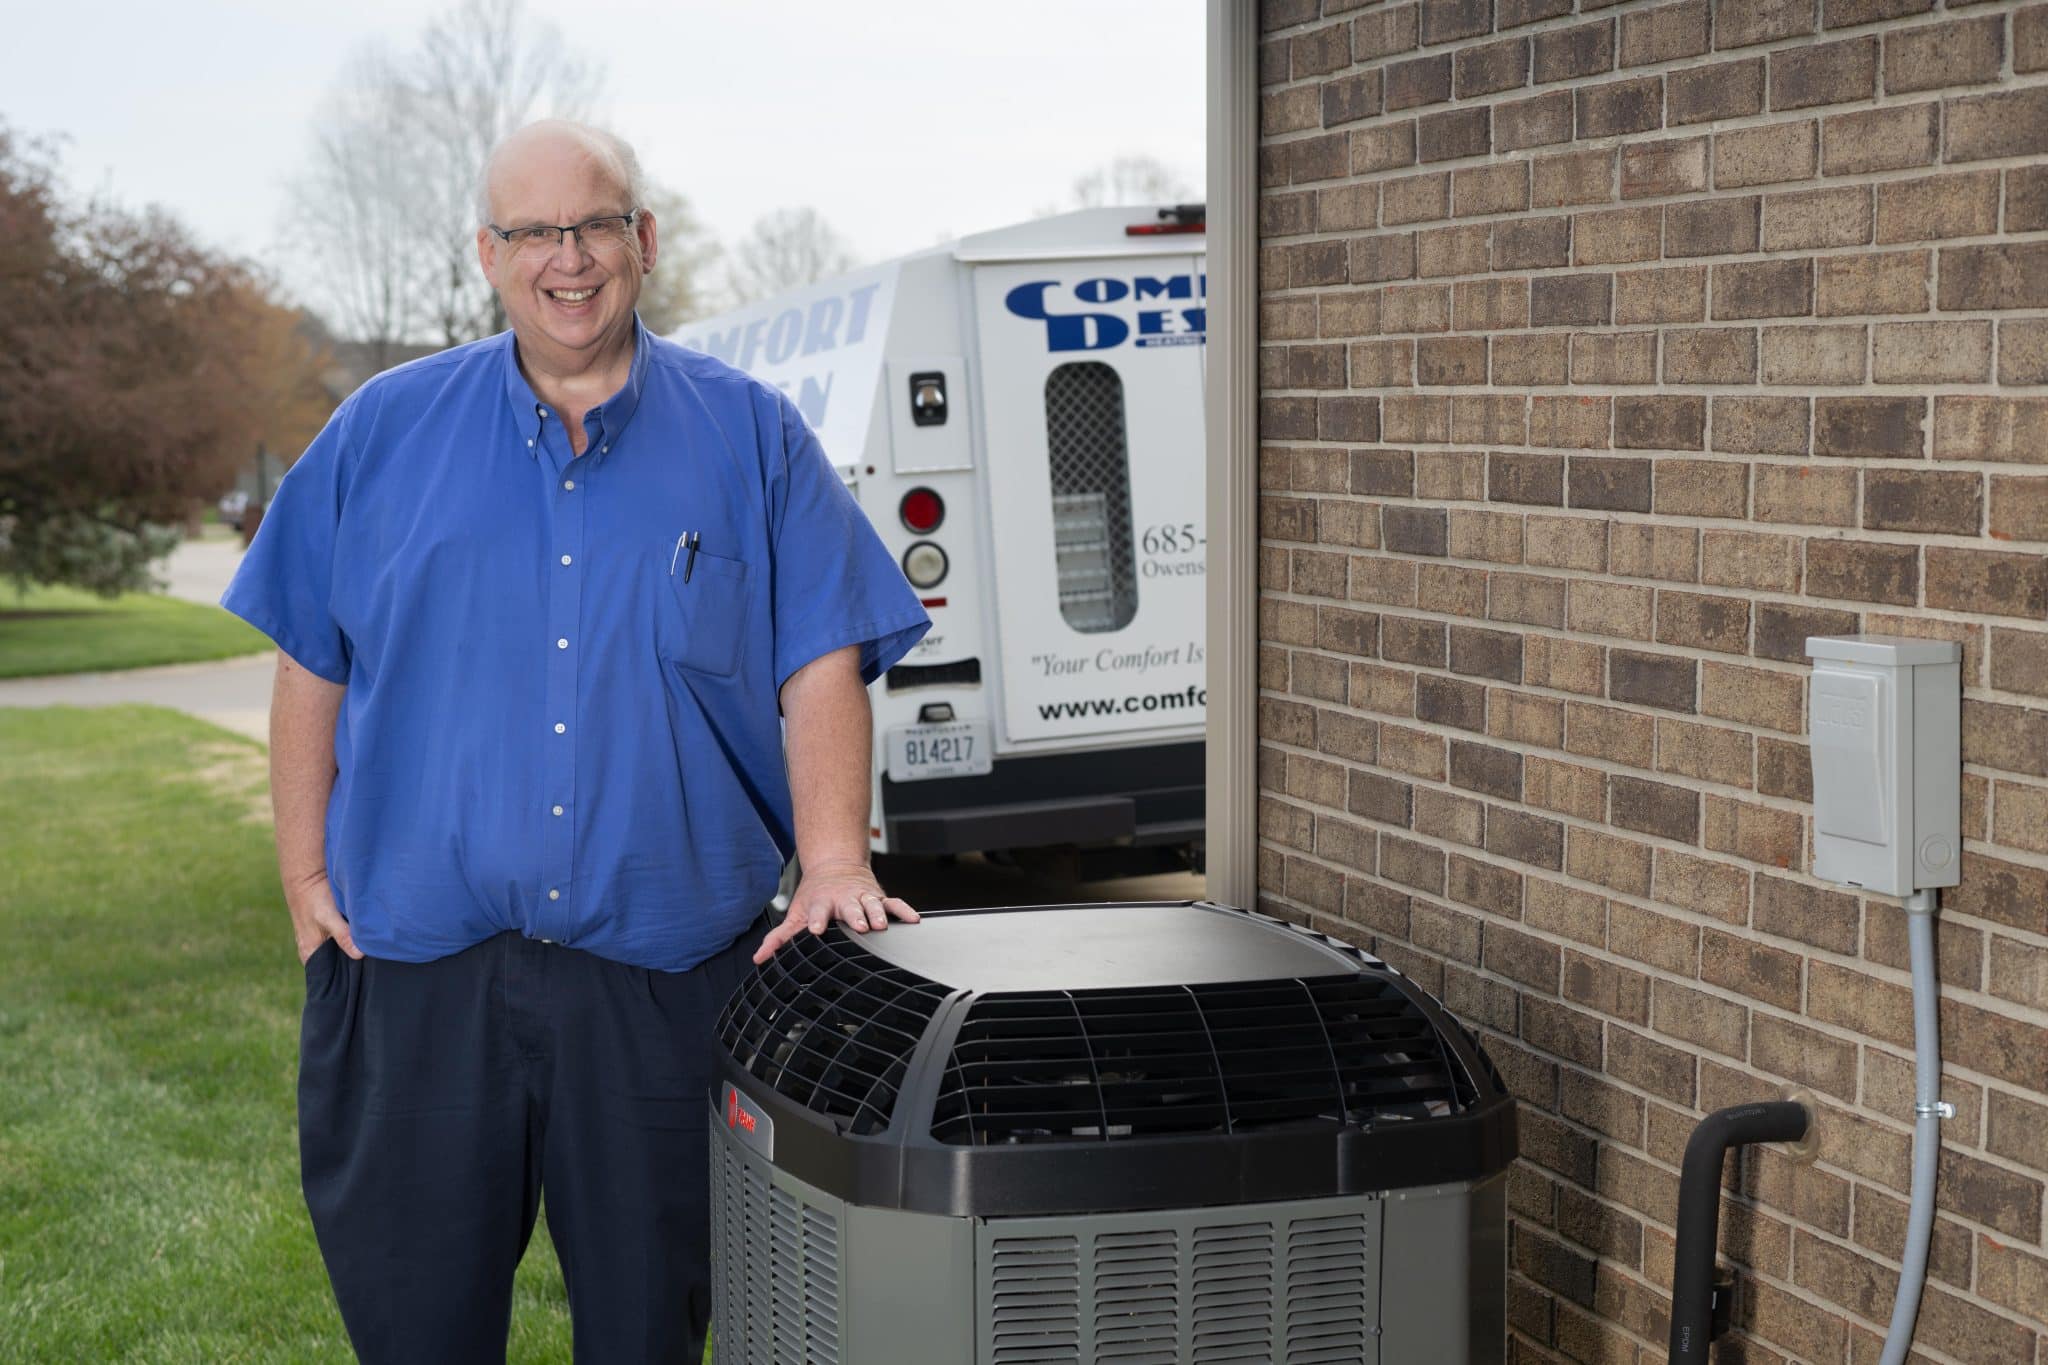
x,y
565,560
561,728
558,810
561,644
554,895
604,450
540,410
529,445
569,484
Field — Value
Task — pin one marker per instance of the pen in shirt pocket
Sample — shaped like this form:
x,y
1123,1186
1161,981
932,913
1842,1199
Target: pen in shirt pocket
x,y
688,540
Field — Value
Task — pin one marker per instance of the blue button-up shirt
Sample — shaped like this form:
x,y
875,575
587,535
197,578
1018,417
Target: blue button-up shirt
x,y
561,715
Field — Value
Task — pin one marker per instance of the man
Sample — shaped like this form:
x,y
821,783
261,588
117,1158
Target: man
x,y
536,600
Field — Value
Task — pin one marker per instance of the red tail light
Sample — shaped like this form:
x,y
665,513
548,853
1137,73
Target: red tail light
x,y
922,510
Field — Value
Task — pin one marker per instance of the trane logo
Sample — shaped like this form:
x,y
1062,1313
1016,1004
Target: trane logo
x,y
749,1126
1075,318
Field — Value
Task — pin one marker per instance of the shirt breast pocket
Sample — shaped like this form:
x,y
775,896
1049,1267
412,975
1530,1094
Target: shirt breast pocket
x,y
707,612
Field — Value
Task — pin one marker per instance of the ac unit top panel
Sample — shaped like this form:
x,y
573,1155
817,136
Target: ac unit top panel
x,y
1100,947
1055,1059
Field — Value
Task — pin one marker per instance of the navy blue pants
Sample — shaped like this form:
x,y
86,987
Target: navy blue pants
x,y
440,1102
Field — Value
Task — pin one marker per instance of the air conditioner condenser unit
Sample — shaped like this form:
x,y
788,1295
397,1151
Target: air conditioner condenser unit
x,y
1151,1134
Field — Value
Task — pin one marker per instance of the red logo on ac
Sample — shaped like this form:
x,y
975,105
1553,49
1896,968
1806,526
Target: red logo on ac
x,y
736,1117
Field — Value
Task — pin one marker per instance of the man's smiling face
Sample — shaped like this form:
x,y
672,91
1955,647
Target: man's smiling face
x,y
573,297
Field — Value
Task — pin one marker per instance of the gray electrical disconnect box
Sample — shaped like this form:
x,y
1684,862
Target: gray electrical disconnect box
x,y
1885,714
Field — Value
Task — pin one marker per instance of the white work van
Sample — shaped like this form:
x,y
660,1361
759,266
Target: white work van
x,y
1019,413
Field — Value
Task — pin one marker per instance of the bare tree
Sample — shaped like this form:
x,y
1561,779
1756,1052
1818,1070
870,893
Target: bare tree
x,y
678,290
482,71
1130,180
387,201
350,205
784,250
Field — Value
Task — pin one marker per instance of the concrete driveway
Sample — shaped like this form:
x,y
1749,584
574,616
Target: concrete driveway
x,y
199,570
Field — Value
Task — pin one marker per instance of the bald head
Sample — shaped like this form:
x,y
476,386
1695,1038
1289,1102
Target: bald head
x,y
569,295
559,143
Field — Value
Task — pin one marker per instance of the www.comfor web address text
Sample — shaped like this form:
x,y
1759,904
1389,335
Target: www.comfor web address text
x,y
1185,699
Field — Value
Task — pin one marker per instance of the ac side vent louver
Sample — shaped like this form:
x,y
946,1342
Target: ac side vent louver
x,y
1234,1294
775,1277
1327,1262
1036,1306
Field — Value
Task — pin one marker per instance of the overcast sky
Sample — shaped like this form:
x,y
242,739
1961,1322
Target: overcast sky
x,y
902,121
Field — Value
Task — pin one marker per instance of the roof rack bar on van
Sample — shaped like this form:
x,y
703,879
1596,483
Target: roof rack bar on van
x,y
1178,218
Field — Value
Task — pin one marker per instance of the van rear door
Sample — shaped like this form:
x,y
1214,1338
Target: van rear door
x,y
1091,386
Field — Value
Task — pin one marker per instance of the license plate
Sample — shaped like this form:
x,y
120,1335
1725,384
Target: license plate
x,y
957,748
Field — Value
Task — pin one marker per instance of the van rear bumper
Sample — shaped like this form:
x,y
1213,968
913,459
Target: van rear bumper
x,y
1150,795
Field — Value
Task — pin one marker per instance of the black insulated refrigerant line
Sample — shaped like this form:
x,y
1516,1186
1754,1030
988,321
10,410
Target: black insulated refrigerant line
x,y
1699,1212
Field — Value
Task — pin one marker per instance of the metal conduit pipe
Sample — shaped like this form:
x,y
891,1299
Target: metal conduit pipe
x,y
1928,1111
1699,1211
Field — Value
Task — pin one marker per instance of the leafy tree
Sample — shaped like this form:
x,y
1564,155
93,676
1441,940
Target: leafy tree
x,y
137,371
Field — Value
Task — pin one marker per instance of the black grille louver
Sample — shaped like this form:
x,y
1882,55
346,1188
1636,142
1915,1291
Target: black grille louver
x,y
831,1027
1220,1058
1090,463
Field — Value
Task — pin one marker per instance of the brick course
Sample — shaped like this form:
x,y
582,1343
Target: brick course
x,y
1607,352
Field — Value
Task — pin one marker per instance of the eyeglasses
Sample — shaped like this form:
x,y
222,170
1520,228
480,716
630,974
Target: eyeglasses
x,y
592,234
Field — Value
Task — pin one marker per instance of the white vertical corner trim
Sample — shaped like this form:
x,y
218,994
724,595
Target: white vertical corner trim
x,y
1231,415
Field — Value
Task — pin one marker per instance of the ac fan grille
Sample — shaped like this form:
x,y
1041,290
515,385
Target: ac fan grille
x,y
1221,1058
832,1027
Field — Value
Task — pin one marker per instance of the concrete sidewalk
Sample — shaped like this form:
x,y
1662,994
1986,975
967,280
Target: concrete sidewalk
x,y
233,694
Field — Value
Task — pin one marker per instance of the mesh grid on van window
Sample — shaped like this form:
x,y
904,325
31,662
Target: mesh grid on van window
x,y
831,1026
1091,496
1078,1066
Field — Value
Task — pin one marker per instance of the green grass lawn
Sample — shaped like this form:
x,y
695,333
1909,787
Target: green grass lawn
x,y
62,630
149,1004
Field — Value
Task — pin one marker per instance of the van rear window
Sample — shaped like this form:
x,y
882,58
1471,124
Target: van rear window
x,y
1091,496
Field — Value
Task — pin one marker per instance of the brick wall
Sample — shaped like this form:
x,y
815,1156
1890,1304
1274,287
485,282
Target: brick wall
x,y
1606,352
